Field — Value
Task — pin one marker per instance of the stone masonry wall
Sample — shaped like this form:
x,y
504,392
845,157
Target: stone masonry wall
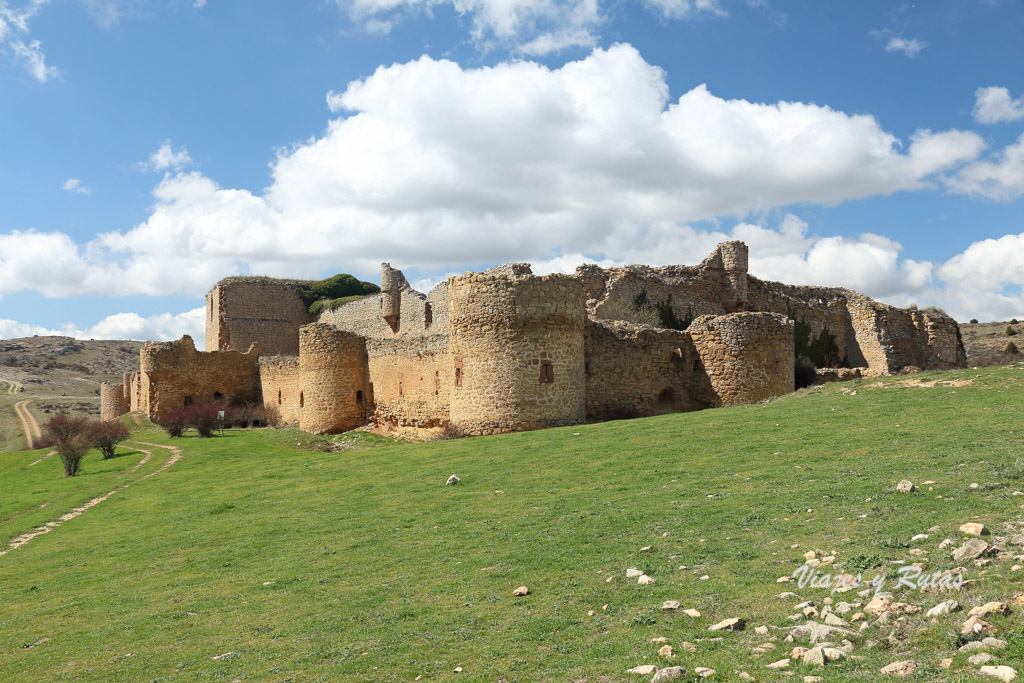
x,y
636,371
241,311
748,357
365,317
173,372
822,309
279,383
517,349
113,403
333,379
411,382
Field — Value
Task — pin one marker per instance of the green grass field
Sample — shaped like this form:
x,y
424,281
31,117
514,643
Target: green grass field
x,y
257,557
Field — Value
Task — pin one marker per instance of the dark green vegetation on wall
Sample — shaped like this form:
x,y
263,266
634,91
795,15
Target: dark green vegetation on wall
x,y
331,289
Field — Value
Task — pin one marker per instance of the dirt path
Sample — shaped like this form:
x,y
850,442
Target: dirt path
x,y
12,386
36,462
174,457
28,423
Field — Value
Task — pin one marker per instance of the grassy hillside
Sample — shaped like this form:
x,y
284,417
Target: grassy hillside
x,y
259,557
57,374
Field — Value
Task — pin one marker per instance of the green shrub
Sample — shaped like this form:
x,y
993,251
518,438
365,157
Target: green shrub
x,y
335,287
1014,322
318,307
974,321
1011,349
1010,331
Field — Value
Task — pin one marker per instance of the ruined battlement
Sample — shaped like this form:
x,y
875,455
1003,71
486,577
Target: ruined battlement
x,y
506,350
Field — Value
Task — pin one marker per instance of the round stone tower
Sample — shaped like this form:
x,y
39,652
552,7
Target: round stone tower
x,y
747,356
112,401
332,379
517,346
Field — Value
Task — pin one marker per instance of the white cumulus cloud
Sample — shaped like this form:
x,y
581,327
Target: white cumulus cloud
x,y
441,167
167,158
994,105
910,47
75,185
1000,177
159,327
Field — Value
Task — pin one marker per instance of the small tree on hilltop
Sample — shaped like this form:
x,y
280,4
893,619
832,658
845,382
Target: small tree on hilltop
x,y
974,321
105,436
1011,349
70,438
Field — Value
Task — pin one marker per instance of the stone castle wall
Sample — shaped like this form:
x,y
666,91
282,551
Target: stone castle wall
x,y
517,349
333,379
241,311
411,380
172,374
505,350
636,371
113,402
280,386
748,357
418,314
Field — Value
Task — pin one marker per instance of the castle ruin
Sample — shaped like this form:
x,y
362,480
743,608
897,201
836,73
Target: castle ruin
x,y
506,350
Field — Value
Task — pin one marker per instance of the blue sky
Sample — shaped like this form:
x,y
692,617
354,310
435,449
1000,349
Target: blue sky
x,y
148,148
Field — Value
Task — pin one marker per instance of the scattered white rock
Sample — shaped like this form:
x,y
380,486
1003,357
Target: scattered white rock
x,y
975,626
669,674
971,550
671,605
692,613
452,480
643,670
983,644
733,624
633,572
944,607
988,609
644,580
781,664
980,658
974,529
1003,673
521,591
901,668
905,486
703,671
666,652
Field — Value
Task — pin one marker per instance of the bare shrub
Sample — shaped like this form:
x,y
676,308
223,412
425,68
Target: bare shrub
x,y
70,438
174,422
104,436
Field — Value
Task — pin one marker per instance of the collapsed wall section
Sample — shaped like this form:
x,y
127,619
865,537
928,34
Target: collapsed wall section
x,y
241,311
517,349
279,384
332,379
636,371
175,374
397,310
748,357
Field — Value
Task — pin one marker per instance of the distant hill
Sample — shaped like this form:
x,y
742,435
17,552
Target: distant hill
x,y
57,374
985,343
